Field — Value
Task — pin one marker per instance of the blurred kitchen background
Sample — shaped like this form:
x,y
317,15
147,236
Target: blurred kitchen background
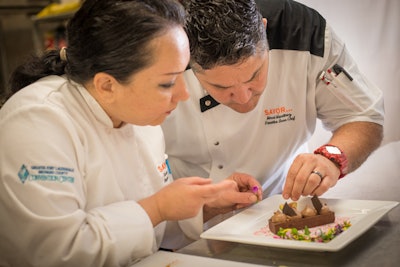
x,y
370,28
28,27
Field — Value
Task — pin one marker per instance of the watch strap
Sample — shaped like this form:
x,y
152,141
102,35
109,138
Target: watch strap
x,y
339,159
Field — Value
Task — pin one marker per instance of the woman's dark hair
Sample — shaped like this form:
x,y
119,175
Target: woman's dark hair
x,y
110,36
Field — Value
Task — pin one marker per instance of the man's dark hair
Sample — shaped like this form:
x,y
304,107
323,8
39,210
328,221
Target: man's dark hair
x,y
223,32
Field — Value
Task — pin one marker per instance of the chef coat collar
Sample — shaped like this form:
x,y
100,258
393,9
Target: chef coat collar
x,y
207,102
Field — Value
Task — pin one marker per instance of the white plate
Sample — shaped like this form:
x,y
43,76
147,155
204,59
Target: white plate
x,y
241,227
173,259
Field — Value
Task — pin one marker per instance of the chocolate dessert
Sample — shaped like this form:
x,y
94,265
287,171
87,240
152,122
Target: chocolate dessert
x,y
290,217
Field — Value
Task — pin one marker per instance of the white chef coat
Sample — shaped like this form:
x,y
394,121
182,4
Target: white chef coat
x,y
263,142
70,181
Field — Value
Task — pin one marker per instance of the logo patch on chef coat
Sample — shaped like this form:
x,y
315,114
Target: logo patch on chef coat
x,y
45,173
165,170
278,115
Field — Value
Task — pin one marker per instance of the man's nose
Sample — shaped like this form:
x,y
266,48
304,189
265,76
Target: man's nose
x,y
241,95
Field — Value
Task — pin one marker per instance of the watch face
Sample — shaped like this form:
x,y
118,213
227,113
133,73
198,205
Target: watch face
x,y
333,150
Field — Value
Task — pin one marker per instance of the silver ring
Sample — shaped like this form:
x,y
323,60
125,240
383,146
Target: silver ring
x,y
319,174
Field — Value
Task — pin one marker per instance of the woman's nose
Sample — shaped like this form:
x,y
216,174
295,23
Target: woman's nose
x,y
182,92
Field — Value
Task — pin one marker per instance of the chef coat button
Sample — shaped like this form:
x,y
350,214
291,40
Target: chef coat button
x,y
220,166
216,143
207,103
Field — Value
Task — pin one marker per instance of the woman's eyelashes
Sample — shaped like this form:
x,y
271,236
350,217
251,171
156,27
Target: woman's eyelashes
x,y
167,85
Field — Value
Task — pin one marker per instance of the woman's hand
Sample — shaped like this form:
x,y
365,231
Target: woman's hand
x,y
183,198
241,191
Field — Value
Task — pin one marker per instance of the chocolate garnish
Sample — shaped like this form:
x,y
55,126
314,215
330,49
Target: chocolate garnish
x,y
317,204
301,222
287,210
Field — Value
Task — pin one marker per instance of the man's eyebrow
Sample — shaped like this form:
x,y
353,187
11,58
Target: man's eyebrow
x,y
254,74
226,87
218,85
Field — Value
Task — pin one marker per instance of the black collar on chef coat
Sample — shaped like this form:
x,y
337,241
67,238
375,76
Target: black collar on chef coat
x,y
207,102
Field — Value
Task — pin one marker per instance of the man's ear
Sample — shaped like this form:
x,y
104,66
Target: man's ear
x,y
104,86
265,22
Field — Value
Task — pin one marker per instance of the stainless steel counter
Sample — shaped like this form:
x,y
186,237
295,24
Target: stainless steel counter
x,y
377,179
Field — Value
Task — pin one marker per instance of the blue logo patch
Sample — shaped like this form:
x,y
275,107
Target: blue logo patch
x,y
23,173
46,173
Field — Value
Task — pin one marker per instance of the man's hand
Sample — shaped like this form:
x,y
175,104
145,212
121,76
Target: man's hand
x,y
310,174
